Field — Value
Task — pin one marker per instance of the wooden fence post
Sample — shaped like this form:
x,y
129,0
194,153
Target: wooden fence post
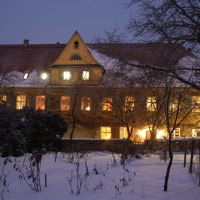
x,y
185,153
45,177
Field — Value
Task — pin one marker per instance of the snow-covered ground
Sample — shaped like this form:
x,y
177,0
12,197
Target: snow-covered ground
x,y
139,179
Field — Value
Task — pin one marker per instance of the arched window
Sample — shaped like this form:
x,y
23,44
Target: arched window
x,y
75,57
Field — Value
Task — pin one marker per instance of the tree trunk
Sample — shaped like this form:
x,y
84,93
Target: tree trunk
x,y
168,167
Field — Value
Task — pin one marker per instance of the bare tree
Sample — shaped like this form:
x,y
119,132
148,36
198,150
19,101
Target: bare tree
x,y
175,22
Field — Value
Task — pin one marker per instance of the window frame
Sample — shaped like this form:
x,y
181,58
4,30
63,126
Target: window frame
x,y
151,104
85,77
106,132
86,103
66,75
44,102
20,102
129,103
65,103
107,103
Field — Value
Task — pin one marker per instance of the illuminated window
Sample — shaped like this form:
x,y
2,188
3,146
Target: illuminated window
x,y
123,133
65,103
195,132
3,99
105,132
151,103
40,103
176,133
161,134
196,103
21,101
129,103
66,75
44,76
25,75
76,57
85,75
107,104
174,105
86,104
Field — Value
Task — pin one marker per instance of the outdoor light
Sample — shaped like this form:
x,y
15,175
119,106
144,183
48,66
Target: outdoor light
x,y
44,76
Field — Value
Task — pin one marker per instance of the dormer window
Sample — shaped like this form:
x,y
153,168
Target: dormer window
x,y
76,44
25,75
44,76
75,57
66,75
85,75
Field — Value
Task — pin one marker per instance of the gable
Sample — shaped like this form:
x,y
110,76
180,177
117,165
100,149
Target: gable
x,y
75,53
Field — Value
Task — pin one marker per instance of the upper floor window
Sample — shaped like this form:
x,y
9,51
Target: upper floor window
x,y
129,103
105,132
21,101
196,103
85,75
195,132
151,103
40,102
174,106
107,104
44,76
76,44
3,99
66,75
25,75
75,57
86,104
65,103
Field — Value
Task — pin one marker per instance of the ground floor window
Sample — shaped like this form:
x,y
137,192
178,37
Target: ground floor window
x,y
195,132
20,101
65,103
40,103
105,132
176,133
123,133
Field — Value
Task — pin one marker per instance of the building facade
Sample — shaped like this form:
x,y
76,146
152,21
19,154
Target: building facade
x,y
96,92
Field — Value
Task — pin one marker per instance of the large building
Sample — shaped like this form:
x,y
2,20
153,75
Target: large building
x,y
95,89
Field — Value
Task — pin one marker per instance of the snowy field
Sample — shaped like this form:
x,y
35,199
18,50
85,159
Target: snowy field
x,y
105,179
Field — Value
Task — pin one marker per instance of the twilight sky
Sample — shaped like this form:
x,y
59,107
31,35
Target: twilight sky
x,y
51,21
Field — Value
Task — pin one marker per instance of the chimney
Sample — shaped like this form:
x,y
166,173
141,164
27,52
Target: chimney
x,y
26,44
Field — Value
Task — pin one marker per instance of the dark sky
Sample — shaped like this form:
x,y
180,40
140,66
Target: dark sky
x,y
51,21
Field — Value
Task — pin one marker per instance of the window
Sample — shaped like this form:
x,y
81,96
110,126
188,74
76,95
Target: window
x,y
176,133
76,44
85,75
66,75
86,104
151,103
129,103
174,105
3,99
105,132
76,57
195,132
65,103
25,75
44,76
107,104
123,133
40,103
196,103
21,101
